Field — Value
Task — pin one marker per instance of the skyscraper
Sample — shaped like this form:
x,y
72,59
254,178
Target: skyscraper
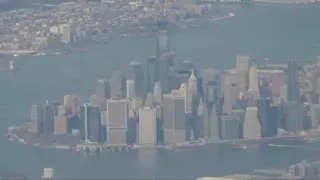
x,y
117,117
103,89
91,118
267,118
36,119
293,81
162,41
174,118
130,88
163,74
254,80
251,125
151,73
47,113
136,73
157,93
294,114
243,63
147,126
192,93
117,84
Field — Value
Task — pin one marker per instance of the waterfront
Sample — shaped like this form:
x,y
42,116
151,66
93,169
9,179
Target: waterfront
x,y
260,32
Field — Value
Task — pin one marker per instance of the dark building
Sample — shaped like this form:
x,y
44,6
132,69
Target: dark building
x,y
91,118
293,114
135,72
151,70
164,73
267,118
293,81
47,113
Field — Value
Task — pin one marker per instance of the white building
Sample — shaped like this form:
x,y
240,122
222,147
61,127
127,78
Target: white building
x,y
147,126
251,125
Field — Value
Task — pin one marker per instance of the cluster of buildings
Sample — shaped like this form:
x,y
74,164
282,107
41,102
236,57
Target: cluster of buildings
x,y
164,101
56,26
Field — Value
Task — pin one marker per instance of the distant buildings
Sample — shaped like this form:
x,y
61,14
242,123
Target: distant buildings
x,y
164,101
174,118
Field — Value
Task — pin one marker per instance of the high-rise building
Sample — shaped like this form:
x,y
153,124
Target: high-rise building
x,y
163,75
149,99
315,115
251,125
157,93
103,89
117,84
47,113
135,72
36,119
192,93
91,118
151,73
243,63
147,126
294,114
293,81
267,119
230,127
230,95
130,88
117,119
254,81
162,42
71,103
174,118
61,124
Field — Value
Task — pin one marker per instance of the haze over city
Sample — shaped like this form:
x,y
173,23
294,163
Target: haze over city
x,y
160,89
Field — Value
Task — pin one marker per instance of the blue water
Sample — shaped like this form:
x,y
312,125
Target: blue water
x,y
274,32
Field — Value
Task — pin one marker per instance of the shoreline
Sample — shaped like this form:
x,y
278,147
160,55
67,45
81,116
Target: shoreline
x,y
22,135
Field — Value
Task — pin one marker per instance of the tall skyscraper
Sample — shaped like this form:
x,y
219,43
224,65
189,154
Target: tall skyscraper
x,y
117,117
136,72
151,73
293,81
251,125
147,126
253,80
174,118
157,93
130,88
36,119
192,93
91,118
118,84
47,113
267,118
163,75
162,42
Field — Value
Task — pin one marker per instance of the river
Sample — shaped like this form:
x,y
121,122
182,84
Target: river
x,y
276,32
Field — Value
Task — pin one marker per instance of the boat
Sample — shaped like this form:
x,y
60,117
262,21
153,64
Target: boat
x,y
231,14
12,66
